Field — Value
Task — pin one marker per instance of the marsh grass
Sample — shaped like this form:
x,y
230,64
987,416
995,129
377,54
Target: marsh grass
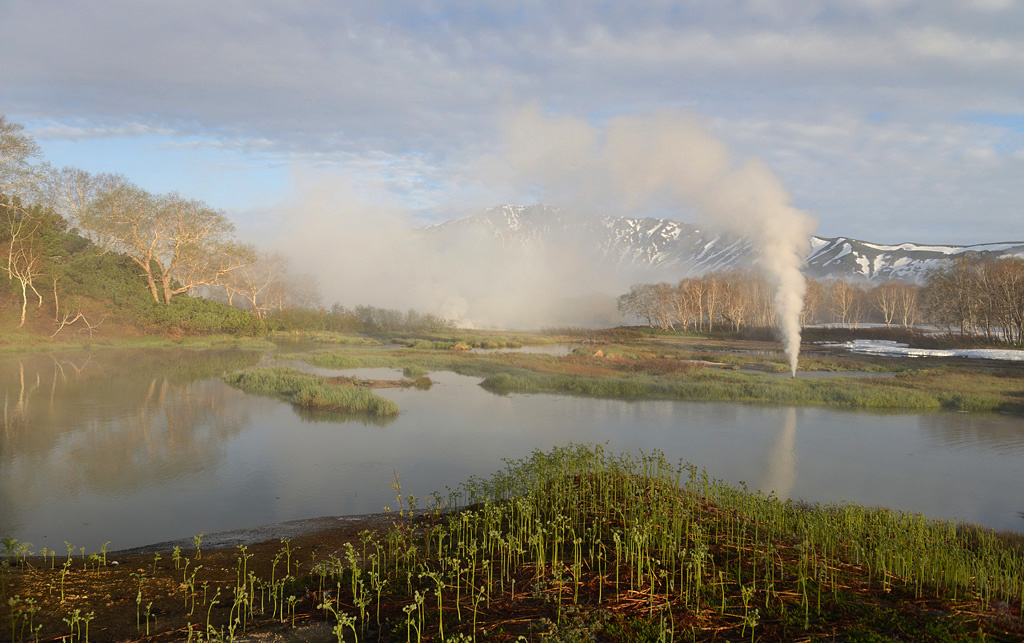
x,y
480,339
311,391
729,386
339,339
413,371
14,342
653,375
578,544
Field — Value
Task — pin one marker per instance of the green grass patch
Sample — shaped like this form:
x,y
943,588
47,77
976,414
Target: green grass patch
x,y
339,339
724,386
326,359
310,391
413,371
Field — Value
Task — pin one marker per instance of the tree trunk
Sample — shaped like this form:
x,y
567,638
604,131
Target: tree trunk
x,y
24,303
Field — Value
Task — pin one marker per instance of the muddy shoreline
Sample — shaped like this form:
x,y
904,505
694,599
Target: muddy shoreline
x,y
324,528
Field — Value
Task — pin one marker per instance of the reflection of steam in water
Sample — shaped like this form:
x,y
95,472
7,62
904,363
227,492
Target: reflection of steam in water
x,y
780,474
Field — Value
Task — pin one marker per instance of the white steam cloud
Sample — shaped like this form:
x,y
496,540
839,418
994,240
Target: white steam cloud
x,y
369,253
668,160
364,251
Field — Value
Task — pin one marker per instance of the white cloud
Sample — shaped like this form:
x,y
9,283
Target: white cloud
x,y
841,97
70,132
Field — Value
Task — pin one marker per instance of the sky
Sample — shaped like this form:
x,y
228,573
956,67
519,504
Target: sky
x,y
889,120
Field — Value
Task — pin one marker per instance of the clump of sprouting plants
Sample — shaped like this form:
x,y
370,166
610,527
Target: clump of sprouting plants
x,y
574,536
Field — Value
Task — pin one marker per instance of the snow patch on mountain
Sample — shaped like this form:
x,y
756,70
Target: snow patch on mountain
x,y
666,250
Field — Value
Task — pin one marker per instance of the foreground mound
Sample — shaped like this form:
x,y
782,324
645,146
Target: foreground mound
x,y
569,545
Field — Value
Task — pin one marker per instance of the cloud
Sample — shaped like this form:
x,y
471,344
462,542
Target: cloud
x,y
937,177
69,132
415,91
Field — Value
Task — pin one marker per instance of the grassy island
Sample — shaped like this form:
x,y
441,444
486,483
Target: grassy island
x,y
312,391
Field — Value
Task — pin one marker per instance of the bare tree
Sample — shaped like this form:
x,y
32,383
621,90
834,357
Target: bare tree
x,y
639,302
885,299
692,292
907,308
736,302
845,303
259,281
714,296
178,243
953,297
1006,291
71,191
23,256
812,301
123,217
192,244
663,295
16,151
761,297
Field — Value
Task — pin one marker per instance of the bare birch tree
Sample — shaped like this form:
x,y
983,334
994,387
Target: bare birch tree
x,y
16,151
178,243
885,298
192,245
71,191
23,253
907,306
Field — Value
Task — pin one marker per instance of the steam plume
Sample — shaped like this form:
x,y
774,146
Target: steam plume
x,y
668,160
365,250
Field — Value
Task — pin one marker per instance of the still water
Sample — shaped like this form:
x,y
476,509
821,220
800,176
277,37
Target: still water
x,y
145,446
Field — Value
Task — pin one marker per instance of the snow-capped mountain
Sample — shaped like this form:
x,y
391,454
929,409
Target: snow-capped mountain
x,y
849,258
663,249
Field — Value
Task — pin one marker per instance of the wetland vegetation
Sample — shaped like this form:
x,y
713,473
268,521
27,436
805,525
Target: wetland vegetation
x,y
316,392
571,544
639,364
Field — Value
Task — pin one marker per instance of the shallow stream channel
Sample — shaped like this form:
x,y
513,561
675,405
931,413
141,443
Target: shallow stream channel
x,y
146,446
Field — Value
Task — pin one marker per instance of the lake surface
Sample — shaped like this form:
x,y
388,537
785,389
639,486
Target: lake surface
x,y
145,446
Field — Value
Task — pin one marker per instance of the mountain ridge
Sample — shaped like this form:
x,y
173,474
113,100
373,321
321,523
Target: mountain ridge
x,y
665,249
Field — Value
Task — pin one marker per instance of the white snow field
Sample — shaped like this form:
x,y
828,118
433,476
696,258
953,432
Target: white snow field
x,y
888,347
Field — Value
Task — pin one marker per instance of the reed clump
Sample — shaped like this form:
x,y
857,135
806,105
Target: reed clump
x,y
311,391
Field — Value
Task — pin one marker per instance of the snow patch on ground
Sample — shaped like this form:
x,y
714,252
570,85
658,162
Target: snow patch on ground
x,y
888,347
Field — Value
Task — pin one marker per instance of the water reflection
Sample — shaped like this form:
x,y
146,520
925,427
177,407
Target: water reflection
x,y
143,446
780,475
986,431
340,417
110,423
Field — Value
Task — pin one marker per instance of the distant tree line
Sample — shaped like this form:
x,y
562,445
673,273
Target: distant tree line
x,y
973,297
360,319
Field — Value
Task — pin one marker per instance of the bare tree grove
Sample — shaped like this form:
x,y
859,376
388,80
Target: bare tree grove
x,y
972,297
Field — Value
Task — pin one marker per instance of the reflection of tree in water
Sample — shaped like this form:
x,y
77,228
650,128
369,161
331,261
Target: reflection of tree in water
x,y
1003,434
113,421
780,474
